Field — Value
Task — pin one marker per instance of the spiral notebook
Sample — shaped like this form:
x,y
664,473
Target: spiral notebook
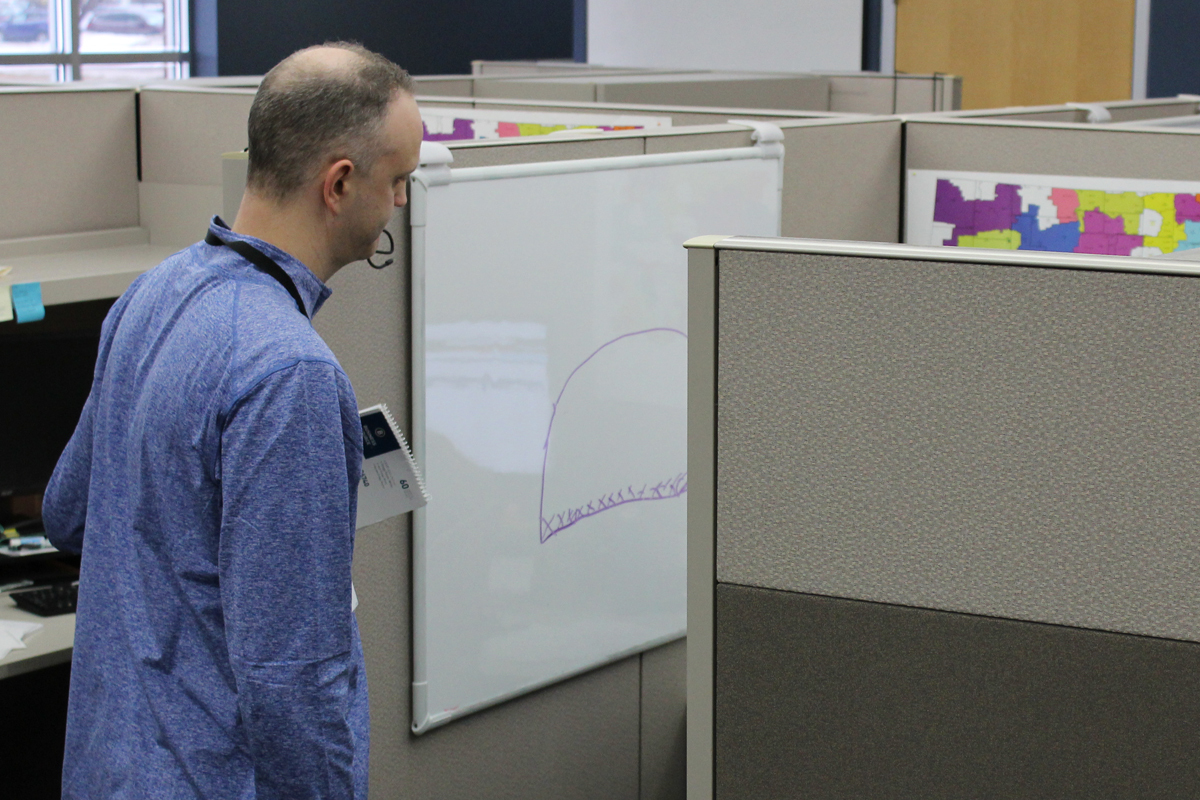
x,y
391,483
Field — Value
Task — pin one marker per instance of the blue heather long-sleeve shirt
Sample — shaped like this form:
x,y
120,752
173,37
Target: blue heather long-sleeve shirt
x,y
211,488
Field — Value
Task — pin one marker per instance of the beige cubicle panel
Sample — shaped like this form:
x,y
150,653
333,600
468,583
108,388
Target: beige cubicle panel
x,y
491,69
184,131
70,219
226,82
484,85
446,85
1095,113
842,179
69,159
841,175
727,89
941,523
877,93
851,92
1048,148
680,115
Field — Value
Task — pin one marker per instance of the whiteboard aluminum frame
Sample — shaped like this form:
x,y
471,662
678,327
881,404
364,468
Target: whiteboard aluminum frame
x,y
435,171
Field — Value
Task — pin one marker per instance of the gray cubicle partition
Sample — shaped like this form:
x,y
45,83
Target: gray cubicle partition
x,y
492,69
69,219
942,523
1116,111
877,93
841,173
226,82
849,92
680,115
947,143
729,89
481,85
184,130
986,145
69,160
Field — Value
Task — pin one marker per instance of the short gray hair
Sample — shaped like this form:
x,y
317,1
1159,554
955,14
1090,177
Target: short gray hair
x,y
301,117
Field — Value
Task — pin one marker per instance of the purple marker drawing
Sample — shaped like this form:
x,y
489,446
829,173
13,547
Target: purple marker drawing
x,y
663,490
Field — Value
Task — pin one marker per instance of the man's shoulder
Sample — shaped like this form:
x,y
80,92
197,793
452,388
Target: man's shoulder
x,y
231,308
272,337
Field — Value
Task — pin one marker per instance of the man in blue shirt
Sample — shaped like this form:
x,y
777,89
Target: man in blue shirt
x,y
211,482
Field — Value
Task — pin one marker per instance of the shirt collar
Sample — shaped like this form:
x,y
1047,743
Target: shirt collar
x,y
312,290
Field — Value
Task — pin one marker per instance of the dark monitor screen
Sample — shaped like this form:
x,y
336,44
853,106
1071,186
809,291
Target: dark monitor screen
x,y
47,371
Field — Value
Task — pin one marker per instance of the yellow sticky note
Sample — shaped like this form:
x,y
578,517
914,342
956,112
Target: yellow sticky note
x,y
6,309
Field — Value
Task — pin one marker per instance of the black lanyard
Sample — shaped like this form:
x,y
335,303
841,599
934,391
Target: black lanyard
x,y
263,262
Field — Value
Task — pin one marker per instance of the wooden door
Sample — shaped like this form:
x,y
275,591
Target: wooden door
x,y
1021,52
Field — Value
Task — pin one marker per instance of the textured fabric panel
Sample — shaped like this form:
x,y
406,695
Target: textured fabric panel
x,y
1010,441
828,699
664,723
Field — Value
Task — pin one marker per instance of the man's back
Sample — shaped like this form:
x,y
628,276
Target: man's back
x,y
211,487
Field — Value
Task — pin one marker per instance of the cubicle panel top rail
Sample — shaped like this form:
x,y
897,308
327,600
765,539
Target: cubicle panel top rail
x,y
185,88
486,67
227,82
64,88
1089,113
907,252
645,108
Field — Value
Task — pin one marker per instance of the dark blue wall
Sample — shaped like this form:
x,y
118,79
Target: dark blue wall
x,y
1174,53
426,38
872,34
580,15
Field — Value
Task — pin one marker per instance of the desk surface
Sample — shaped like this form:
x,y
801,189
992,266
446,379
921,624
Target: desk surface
x,y
49,646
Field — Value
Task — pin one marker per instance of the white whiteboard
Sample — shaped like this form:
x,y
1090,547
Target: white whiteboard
x,y
550,405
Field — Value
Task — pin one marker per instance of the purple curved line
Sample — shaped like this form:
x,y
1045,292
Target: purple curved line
x,y
543,523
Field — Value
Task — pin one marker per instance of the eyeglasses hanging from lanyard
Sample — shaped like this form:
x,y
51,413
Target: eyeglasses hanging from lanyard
x,y
391,248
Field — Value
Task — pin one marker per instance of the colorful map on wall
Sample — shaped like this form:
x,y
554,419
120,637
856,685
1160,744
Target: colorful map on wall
x,y
458,124
1100,216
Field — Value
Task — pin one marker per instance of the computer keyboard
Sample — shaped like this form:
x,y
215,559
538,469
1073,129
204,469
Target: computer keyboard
x,y
48,601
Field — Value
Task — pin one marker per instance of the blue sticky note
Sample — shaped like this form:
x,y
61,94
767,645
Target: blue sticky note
x,y
27,302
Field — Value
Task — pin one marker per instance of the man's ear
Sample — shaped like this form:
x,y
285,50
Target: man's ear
x,y
334,189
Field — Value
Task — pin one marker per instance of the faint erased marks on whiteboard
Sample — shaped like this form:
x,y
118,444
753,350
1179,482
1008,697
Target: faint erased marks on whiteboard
x,y
486,391
605,447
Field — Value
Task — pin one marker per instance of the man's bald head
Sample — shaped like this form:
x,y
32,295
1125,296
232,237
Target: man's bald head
x,y
320,103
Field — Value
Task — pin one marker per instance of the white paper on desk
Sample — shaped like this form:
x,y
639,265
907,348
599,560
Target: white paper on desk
x,y
12,632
